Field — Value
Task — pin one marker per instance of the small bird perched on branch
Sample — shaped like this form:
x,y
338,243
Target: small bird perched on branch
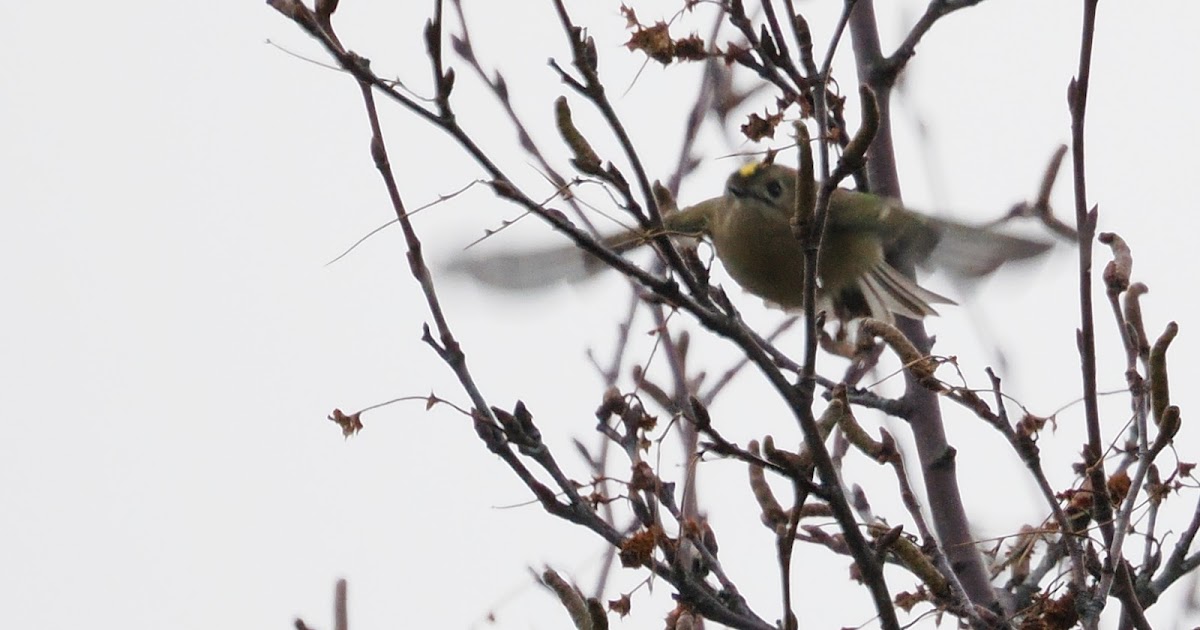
x,y
750,229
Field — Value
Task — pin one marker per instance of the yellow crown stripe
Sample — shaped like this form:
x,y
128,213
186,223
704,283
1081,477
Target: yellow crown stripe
x,y
749,169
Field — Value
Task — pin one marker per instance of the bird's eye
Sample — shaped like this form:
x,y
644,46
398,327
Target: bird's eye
x,y
774,189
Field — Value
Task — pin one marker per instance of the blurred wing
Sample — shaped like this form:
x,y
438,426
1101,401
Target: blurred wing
x,y
970,252
962,250
517,271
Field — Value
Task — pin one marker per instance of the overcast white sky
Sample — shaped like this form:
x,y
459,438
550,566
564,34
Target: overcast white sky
x,y
172,187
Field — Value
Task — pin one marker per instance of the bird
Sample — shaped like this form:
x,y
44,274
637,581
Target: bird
x,y
750,229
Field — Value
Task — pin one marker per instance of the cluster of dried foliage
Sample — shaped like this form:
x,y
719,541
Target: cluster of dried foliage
x,y
1060,574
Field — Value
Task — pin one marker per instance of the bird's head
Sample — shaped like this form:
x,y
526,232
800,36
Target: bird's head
x,y
772,185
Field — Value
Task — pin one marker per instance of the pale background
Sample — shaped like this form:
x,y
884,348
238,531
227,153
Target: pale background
x,y
172,187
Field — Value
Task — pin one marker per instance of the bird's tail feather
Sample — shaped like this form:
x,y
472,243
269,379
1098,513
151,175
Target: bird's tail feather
x,y
887,292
